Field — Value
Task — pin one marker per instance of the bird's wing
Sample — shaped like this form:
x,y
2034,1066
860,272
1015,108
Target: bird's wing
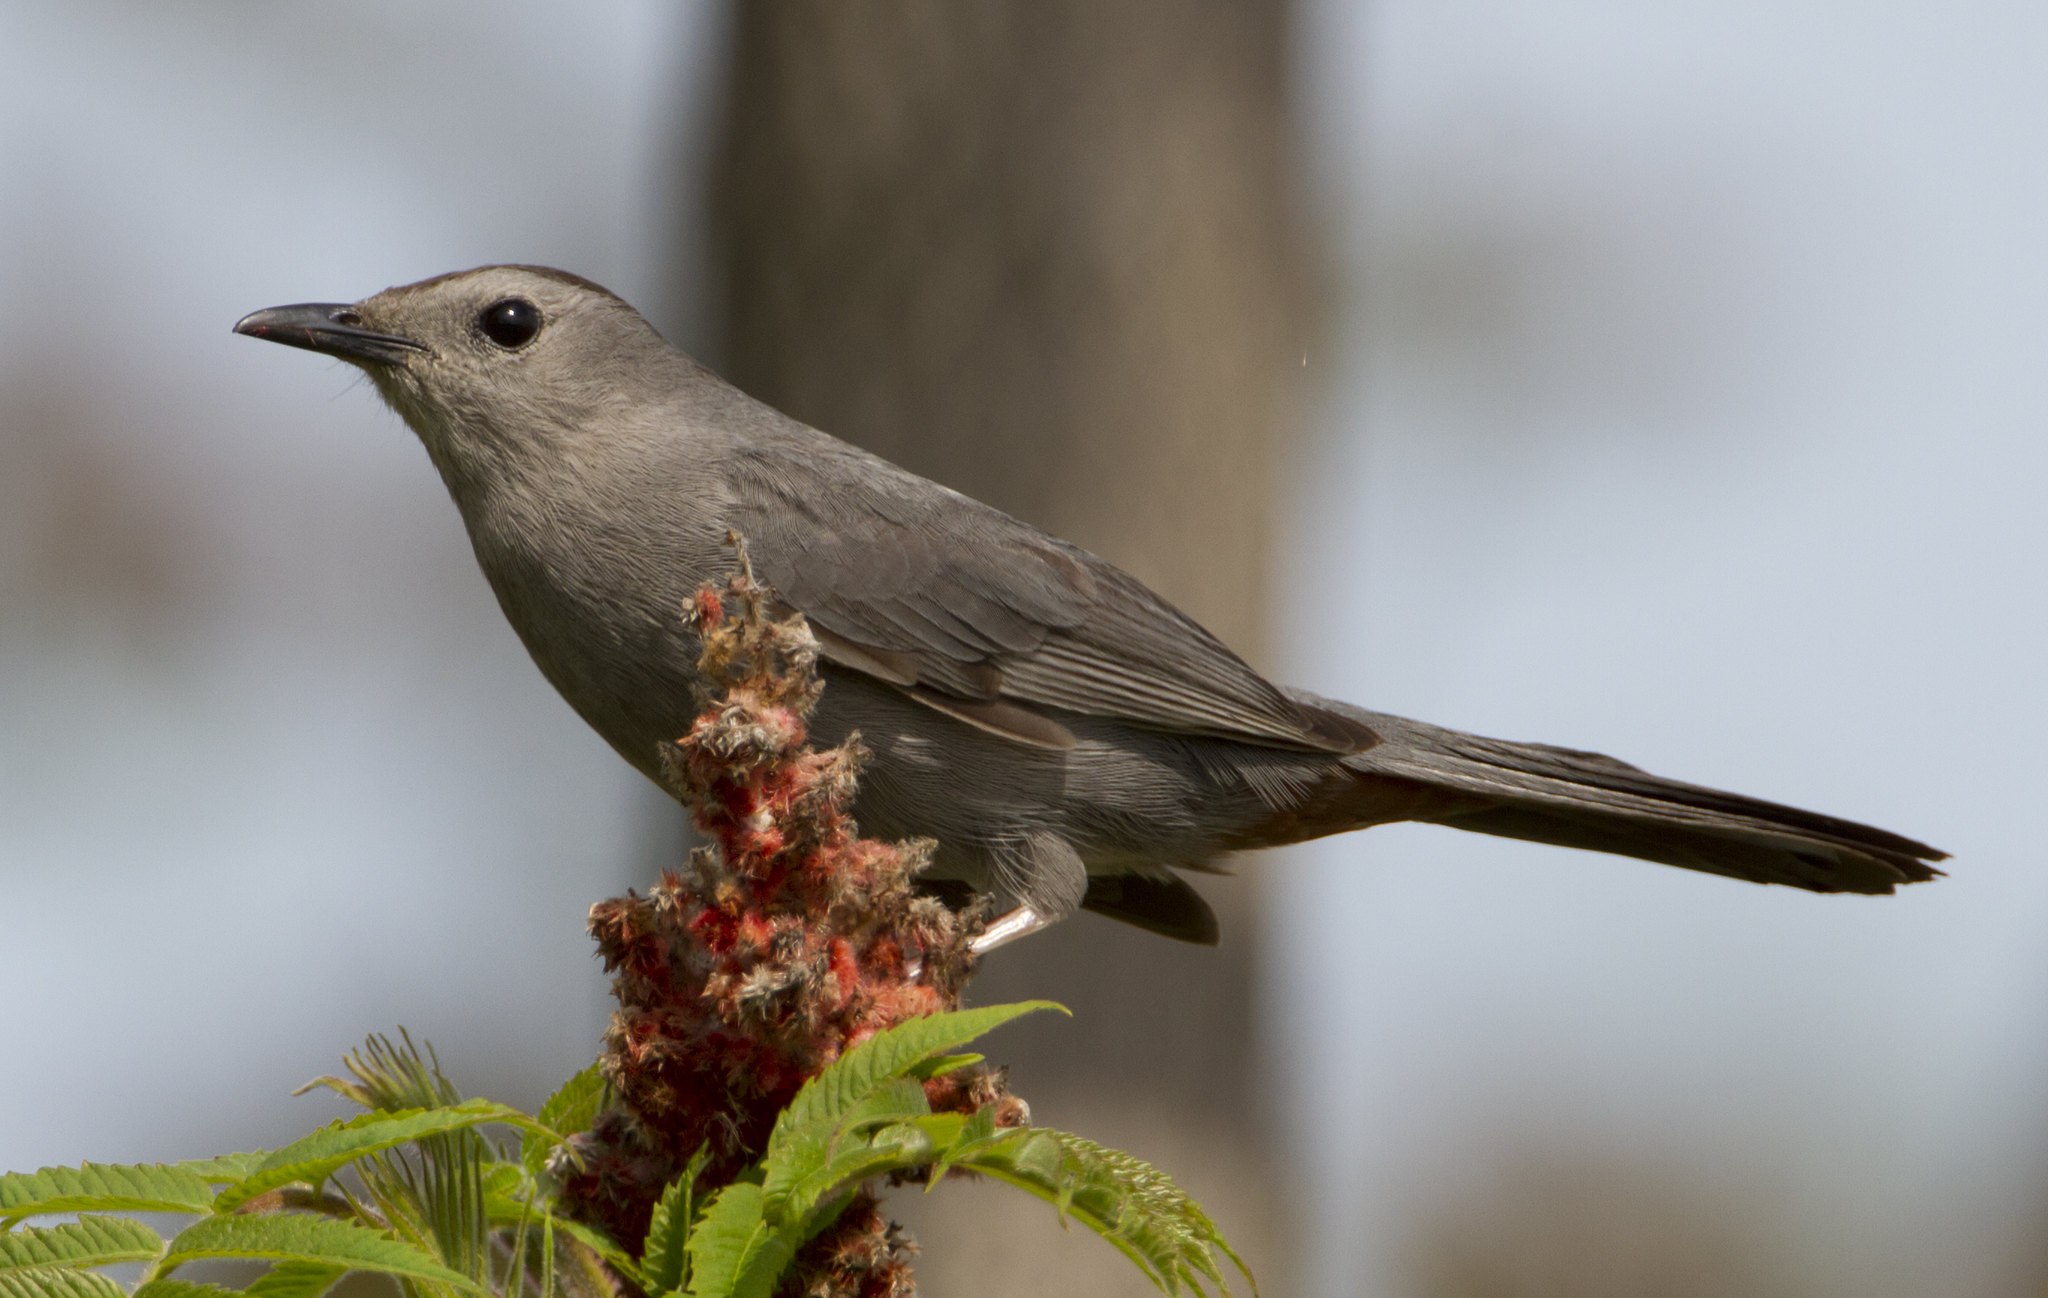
x,y
986,618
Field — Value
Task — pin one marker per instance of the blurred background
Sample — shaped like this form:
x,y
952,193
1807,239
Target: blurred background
x,y
1665,380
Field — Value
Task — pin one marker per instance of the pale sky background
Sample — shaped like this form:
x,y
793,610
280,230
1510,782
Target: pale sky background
x,y
1691,407
1686,402
311,707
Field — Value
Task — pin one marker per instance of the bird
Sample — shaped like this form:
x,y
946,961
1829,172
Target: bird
x,y
1068,738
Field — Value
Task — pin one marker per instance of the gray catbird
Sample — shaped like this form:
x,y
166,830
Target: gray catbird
x,y
1068,737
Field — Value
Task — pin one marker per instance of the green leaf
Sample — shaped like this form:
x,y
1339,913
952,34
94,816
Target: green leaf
x,y
295,1237
391,1077
892,1101
1124,1199
734,1252
296,1280
938,1132
805,1207
664,1259
940,1065
182,1289
791,1161
228,1167
889,1054
57,1282
575,1105
809,1156
863,1116
507,1211
815,1147
819,1178
89,1241
978,1129
428,1190
571,1110
503,1179
104,1187
316,1157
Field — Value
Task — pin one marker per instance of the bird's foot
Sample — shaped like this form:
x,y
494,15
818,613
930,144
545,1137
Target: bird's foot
x,y
1006,928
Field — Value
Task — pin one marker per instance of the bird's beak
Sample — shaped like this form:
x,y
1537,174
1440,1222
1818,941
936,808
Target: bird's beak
x,y
331,327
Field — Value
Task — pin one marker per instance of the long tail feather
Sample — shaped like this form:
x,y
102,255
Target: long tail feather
x,y
1586,800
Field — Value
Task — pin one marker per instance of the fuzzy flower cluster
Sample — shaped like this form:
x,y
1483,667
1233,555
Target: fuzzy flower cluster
x,y
787,939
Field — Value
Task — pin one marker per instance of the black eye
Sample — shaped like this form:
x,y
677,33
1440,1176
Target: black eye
x,y
511,323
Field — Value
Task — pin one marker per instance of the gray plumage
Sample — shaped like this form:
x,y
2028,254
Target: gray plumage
x,y
1068,737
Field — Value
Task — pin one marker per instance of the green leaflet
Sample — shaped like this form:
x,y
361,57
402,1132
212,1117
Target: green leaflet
x,y
503,1180
503,1210
316,1157
890,1054
228,1167
734,1252
104,1187
973,1133
57,1282
392,1077
807,1203
430,1191
665,1259
571,1110
296,1280
892,1101
863,1116
182,1289
419,1160
820,1155
1124,1199
89,1241
291,1237
940,1065
574,1106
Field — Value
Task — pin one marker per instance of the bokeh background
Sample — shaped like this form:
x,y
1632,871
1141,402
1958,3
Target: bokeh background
x,y
1666,380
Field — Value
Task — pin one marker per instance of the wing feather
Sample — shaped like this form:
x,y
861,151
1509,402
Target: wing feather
x,y
959,604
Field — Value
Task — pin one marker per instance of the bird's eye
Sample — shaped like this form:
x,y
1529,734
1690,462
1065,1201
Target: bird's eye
x,y
511,323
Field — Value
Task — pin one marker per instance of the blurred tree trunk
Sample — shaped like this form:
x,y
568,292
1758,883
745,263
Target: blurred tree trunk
x,y
1053,255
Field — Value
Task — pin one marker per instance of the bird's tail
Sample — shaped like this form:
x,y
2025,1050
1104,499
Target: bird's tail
x,y
1586,800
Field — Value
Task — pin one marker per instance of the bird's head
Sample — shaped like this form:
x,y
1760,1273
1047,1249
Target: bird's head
x,y
495,368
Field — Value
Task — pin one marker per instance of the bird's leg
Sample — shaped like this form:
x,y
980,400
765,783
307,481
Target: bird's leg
x,y
1008,927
